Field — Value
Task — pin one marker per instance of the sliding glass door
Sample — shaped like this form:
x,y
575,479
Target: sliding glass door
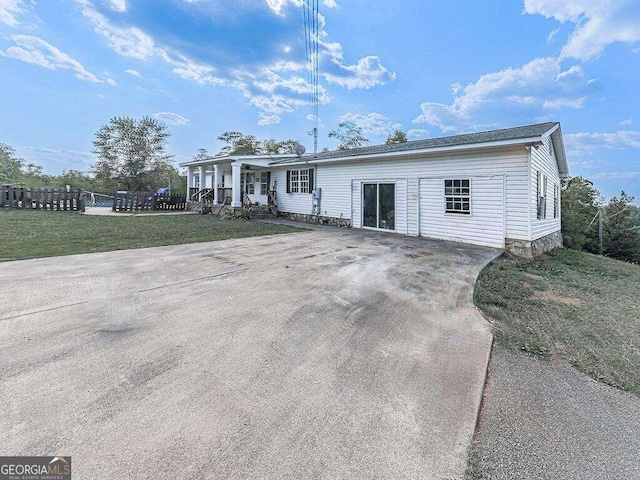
x,y
379,205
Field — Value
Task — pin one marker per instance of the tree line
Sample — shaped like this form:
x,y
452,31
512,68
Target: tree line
x,y
131,155
590,224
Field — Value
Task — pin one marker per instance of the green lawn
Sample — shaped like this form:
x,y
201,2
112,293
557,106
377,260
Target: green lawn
x,y
33,234
569,306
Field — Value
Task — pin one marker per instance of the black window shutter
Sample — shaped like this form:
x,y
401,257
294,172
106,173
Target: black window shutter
x,y
288,181
311,185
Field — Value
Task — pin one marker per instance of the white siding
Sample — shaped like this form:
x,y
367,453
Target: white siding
x,y
544,161
336,182
412,206
292,202
485,224
356,204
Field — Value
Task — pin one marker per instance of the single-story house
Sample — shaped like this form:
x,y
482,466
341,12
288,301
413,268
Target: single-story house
x,y
499,188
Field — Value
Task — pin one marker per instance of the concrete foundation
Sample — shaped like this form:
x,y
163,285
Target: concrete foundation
x,y
302,217
533,248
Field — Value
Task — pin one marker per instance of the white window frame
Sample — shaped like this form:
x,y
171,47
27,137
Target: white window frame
x,y
263,183
299,181
395,204
457,193
556,200
541,204
248,186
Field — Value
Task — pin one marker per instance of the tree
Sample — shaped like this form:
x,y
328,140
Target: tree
x,y
131,154
11,167
75,179
396,137
274,147
202,154
621,240
13,170
240,144
580,203
349,135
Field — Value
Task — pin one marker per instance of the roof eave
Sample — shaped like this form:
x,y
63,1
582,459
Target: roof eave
x,y
401,153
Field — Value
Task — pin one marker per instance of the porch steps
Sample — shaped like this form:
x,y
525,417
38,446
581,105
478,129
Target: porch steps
x,y
260,211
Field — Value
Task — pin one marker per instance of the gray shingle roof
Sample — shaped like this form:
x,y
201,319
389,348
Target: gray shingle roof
x,y
515,133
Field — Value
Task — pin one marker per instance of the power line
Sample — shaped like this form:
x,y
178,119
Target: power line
x,y
311,22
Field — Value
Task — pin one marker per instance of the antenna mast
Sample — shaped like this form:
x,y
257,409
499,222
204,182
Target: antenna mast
x,y
311,29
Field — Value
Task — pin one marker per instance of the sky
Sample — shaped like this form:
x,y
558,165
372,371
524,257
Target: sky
x,y
430,68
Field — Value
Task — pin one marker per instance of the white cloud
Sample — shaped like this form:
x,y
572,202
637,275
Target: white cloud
x,y
128,42
266,119
54,160
614,175
367,73
134,73
9,10
277,5
541,84
417,133
589,142
118,5
597,23
171,118
36,51
275,86
373,123
552,35
628,121
111,82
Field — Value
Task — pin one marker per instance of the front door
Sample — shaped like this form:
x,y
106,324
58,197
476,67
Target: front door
x,y
379,205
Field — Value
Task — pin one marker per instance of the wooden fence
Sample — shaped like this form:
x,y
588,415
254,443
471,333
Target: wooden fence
x,y
143,201
58,199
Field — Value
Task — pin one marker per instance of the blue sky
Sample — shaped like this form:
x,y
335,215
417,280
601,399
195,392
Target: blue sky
x,y
429,68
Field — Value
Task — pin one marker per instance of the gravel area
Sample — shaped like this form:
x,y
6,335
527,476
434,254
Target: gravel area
x,y
542,420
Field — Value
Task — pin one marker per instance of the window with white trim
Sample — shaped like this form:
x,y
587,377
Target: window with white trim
x,y
457,196
248,182
300,181
541,181
556,201
264,183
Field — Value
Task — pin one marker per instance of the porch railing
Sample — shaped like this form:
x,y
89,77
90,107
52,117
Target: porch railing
x,y
272,202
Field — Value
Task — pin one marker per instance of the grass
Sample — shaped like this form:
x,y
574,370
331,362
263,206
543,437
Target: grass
x,y
476,469
36,234
568,306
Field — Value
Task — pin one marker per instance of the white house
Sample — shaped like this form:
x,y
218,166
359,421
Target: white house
x,y
499,188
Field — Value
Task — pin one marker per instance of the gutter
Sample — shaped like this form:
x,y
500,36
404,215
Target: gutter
x,y
454,148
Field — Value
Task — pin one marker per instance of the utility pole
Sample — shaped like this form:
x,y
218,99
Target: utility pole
x,y
600,229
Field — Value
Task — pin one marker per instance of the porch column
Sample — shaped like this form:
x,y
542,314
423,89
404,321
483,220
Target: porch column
x,y
189,183
216,182
236,189
203,180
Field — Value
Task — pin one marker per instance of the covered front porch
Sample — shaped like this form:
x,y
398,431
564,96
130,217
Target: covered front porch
x,y
238,183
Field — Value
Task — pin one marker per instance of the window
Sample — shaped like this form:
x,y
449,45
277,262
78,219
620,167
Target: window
x,y
541,181
265,180
379,205
300,181
556,202
457,196
248,182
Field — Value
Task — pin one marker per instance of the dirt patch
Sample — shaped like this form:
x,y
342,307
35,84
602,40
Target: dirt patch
x,y
547,295
531,275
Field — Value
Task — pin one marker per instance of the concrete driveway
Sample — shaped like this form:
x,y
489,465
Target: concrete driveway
x,y
328,354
